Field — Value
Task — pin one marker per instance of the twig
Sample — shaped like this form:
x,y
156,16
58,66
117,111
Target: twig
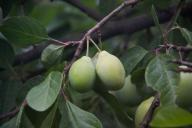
x,y
149,114
88,11
184,69
177,12
174,19
96,27
63,94
128,26
178,48
181,62
12,113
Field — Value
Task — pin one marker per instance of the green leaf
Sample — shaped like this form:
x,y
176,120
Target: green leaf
x,y
41,97
81,119
171,116
132,57
26,87
23,30
8,92
6,54
50,119
10,124
161,75
46,12
19,116
6,6
186,34
25,122
52,54
121,114
155,18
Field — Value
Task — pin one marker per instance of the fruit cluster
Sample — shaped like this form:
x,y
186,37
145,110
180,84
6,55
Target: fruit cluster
x,y
104,70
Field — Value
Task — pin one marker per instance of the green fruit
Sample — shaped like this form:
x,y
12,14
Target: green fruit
x,y
128,95
110,71
142,111
82,74
184,89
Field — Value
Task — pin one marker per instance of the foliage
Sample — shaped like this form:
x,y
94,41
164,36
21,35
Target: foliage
x,y
38,41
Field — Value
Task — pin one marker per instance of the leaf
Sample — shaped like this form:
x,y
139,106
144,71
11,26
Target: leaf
x,y
8,92
49,120
23,30
6,6
155,18
19,116
52,54
6,54
81,119
10,124
161,75
133,57
44,95
121,114
171,116
46,12
186,34
26,87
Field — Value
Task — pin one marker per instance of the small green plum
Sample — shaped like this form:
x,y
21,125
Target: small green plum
x,y
184,89
128,95
110,71
142,110
82,74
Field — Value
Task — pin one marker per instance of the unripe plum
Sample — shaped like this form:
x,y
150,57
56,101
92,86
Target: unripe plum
x,y
142,110
128,95
82,74
184,90
110,71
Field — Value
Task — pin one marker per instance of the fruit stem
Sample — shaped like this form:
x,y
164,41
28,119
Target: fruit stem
x,y
95,45
87,51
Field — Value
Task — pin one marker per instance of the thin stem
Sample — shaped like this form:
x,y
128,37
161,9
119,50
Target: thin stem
x,y
87,51
57,41
95,45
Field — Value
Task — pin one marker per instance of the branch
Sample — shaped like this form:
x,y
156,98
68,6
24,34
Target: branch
x,y
149,114
181,62
12,113
189,70
176,14
88,11
96,27
173,20
178,48
126,26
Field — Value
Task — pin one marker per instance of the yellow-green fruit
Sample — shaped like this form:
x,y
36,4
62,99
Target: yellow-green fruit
x,y
82,74
184,90
142,110
110,71
128,95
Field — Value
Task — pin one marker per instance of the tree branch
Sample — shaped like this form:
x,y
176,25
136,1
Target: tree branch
x,y
189,70
88,11
96,27
149,114
12,113
178,48
181,62
126,26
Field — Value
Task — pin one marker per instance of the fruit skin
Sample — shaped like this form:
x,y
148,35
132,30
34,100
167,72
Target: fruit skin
x,y
128,95
142,110
82,74
110,71
184,89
